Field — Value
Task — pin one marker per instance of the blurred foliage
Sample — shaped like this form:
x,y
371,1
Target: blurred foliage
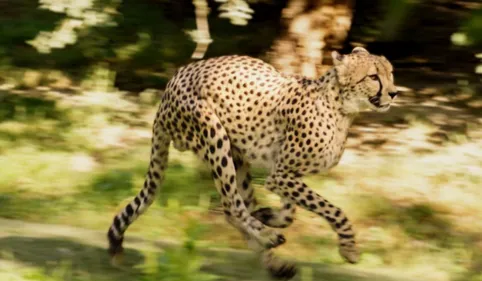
x,y
237,11
471,30
181,263
80,16
141,42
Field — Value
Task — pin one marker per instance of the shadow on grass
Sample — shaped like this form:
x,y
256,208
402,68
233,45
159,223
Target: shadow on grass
x,y
14,106
92,263
86,260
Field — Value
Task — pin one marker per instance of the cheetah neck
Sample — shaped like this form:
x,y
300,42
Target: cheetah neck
x,y
328,100
331,100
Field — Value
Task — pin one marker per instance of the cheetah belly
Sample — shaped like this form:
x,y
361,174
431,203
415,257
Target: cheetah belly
x,y
264,152
258,145
332,156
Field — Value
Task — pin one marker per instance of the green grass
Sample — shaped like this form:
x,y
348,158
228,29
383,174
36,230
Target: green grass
x,y
77,159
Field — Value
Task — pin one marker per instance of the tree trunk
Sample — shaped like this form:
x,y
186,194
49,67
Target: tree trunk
x,y
309,28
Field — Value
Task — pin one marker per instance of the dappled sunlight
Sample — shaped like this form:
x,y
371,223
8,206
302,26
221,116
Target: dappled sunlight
x,y
82,163
449,179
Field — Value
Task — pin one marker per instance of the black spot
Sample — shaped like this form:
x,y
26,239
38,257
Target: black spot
x,y
342,223
295,194
345,236
220,143
212,149
129,210
224,161
321,203
117,223
245,184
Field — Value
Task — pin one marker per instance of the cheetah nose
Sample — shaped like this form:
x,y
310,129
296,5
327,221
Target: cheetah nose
x,y
393,94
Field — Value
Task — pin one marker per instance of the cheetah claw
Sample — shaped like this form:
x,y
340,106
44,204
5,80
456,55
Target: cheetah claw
x,y
271,238
280,239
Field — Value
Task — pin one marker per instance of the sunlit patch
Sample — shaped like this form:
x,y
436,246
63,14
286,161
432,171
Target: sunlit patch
x,y
82,163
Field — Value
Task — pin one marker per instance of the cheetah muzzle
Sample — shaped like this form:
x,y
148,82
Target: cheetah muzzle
x,y
237,111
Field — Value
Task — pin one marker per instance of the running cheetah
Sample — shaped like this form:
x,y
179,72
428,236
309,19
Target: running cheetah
x,y
235,111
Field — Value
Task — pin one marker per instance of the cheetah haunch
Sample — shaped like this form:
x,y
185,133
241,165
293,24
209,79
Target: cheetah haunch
x,y
234,111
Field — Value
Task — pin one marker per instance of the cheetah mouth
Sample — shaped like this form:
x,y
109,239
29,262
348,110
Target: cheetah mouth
x,y
383,107
375,102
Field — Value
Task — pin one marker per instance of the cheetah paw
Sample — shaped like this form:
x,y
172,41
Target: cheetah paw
x,y
270,238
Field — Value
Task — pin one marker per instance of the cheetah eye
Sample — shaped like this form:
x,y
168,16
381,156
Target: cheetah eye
x,y
373,77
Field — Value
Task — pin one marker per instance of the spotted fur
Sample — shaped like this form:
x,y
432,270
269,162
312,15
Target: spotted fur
x,y
234,111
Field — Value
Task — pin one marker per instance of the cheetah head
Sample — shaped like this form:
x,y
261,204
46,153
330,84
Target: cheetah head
x,y
366,81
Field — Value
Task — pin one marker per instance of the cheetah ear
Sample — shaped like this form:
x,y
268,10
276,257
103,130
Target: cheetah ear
x,y
340,65
337,58
359,50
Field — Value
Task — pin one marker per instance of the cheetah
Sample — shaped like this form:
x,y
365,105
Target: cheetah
x,y
237,111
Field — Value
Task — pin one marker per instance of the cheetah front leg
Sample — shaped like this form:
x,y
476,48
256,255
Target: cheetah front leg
x,y
293,189
277,267
279,218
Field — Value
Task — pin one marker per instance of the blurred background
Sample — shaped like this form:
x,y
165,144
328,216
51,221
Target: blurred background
x,y
79,85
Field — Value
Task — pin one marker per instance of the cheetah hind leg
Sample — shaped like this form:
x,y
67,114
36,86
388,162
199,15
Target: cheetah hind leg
x,y
153,180
277,218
